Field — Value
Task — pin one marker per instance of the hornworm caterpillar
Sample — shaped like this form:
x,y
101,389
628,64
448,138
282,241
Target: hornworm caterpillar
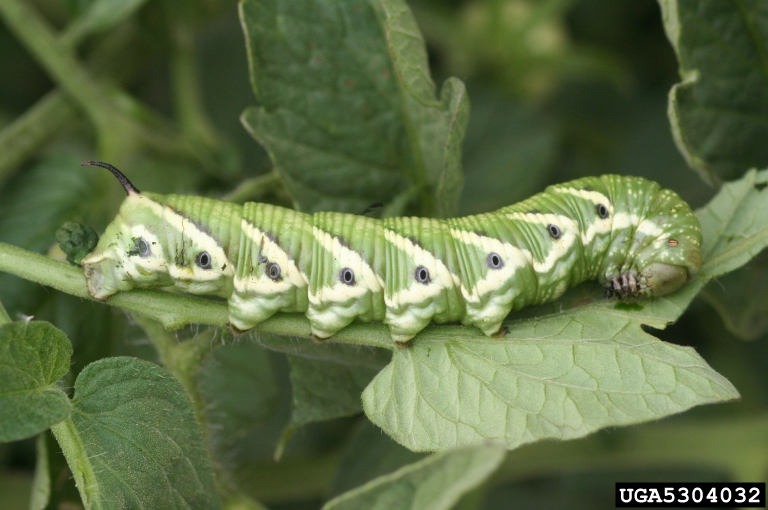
x,y
628,233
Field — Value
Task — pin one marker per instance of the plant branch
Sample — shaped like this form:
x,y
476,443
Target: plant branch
x,y
123,125
55,113
58,59
254,188
736,446
176,310
193,121
49,116
72,447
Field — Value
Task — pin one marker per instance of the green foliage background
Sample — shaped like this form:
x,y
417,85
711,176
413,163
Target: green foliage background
x,y
553,90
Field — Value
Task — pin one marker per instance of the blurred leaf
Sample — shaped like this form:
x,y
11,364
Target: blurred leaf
x,y
719,111
327,379
14,488
735,446
323,390
433,483
522,47
222,60
36,203
240,390
41,485
509,153
347,108
33,356
32,206
243,503
561,376
52,114
735,224
133,441
95,331
294,479
741,300
368,455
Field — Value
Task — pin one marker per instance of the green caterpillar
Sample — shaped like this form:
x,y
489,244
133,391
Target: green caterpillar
x,y
627,232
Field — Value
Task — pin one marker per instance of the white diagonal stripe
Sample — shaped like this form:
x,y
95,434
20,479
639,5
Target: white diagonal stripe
x,y
416,292
366,280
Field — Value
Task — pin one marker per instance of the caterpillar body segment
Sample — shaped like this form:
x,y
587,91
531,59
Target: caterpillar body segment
x,y
272,264
637,239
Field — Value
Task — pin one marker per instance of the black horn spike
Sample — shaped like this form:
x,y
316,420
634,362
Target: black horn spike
x,y
129,188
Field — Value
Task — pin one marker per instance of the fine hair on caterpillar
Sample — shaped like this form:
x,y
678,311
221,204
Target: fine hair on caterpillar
x,y
628,233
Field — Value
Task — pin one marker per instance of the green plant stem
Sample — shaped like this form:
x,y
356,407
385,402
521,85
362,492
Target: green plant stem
x,y
187,96
183,360
176,310
737,446
400,202
4,317
41,483
55,113
254,188
196,127
72,446
122,125
49,116
741,452
58,59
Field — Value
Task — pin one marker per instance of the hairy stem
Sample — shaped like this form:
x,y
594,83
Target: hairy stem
x,y
72,446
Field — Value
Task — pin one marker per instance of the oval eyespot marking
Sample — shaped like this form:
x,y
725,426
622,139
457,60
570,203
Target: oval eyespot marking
x,y
494,261
422,275
602,211
143,247
203,260
140,247
347,276
273,271
554,231
673,242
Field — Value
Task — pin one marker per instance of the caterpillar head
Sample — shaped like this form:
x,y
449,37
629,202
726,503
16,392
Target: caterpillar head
x,y
127,254
149,244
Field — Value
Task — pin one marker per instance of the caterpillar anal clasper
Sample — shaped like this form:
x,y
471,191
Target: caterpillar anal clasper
x,y
636,238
